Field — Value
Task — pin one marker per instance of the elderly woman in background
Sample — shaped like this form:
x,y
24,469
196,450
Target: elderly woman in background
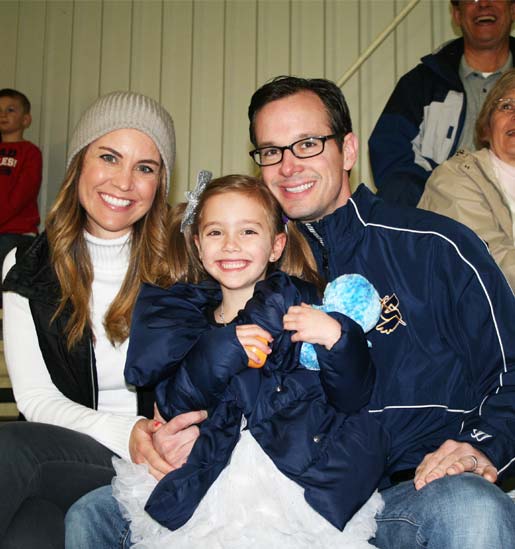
x,y
67,312
478,188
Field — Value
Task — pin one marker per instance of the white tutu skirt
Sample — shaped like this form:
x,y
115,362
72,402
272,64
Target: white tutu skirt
x,y
251,505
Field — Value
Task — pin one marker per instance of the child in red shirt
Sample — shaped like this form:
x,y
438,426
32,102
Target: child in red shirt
x,y
20,174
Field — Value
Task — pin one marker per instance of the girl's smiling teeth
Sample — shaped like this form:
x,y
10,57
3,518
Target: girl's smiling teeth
x,y
230,265
114,201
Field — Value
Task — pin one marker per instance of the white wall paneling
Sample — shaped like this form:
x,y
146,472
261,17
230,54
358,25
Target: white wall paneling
x,y
9,40
307,38
85,67
146,47
115,44
202,59
239,84
56,98
342,48
207,87
176,82
273,39
30,59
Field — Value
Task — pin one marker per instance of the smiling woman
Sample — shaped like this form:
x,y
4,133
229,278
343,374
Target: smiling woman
x,y
478,188
67,313
119,180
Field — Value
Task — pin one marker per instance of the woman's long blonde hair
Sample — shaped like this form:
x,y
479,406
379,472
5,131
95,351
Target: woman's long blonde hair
x,y
185,266
69,256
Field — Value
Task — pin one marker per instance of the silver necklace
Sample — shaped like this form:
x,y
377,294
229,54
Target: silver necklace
x,y
221,314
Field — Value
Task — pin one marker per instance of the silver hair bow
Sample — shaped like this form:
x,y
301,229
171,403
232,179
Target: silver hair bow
x,y
203,178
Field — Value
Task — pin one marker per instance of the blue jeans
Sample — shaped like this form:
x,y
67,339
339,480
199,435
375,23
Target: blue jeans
x,y
96,522
456,512
460,512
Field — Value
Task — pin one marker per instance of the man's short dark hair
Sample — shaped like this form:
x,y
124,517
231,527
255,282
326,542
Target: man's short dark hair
x,y
283,86
15,94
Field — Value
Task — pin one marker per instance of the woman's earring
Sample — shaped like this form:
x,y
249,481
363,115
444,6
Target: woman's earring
x,y
272,257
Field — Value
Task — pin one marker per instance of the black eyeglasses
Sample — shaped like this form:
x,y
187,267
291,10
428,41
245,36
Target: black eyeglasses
x,y
303,148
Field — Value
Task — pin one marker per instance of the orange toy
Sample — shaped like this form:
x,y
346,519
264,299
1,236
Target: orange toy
x,y
262,355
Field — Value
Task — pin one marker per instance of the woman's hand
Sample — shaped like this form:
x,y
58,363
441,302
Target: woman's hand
x,y
254,340
168,450
312,326
141,448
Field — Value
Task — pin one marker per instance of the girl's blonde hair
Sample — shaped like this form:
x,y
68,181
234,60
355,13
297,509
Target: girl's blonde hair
x,y
183,259
69,256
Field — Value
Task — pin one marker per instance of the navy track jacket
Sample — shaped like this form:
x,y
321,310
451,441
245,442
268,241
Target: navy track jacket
x,y
444,348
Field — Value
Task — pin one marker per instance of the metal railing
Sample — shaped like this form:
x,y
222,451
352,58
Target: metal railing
x,y
377,42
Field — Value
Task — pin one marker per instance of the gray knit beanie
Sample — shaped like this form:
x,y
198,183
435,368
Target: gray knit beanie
x,y
125,109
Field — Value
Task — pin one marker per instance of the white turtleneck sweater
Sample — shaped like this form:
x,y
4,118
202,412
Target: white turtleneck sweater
x,y
37,398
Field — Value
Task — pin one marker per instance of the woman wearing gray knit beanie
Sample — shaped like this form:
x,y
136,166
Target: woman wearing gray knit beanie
x,y
67,312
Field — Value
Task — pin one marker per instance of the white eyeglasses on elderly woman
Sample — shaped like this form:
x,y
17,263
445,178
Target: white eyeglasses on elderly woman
x,y
506,104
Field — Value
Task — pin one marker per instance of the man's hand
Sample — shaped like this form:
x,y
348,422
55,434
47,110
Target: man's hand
x,y
175,439
168,450
453,458
312,326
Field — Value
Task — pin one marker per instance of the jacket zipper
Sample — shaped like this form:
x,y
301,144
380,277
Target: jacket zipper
x,y
325,256
92,376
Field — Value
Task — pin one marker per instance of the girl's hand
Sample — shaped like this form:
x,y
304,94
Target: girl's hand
x,y
254,340
312,326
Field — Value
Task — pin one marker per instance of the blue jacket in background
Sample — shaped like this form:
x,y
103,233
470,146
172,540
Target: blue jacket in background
x,y
336,452
444,348
420,126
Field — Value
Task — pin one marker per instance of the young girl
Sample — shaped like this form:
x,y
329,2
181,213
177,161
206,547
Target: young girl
x,y
274,423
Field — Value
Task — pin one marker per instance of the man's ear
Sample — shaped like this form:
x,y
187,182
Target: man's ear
x,y
350,151
27,120
456,15
278,247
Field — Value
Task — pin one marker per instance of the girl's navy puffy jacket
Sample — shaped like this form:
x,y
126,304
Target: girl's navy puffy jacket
x,y
336,452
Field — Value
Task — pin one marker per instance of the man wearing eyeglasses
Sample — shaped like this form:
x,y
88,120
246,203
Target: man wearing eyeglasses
x,y
432,110
444,348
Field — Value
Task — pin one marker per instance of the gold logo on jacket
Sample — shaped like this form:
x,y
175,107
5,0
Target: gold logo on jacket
x,y
391,317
